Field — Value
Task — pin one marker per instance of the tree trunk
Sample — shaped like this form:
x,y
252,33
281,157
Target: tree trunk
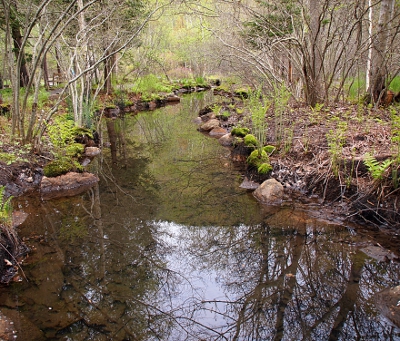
x,y
46,73
380,41
108,75
19,52
312,61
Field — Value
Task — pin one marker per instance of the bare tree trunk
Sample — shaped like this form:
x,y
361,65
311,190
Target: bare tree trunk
x,y
312,66
45,72
380,41
18,50
108,71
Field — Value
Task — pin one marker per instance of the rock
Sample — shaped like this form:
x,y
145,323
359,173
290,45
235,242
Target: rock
x,y
66,185
198,120
217,132
18,217
112,112
210,125
92,151
226,140
249,184
387,302
379,253
173,98
269,192
7,329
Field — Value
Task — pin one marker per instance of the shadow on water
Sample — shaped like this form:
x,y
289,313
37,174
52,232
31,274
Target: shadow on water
x,y
168,247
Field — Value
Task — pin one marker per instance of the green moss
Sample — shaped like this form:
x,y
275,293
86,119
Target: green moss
x,y
58,167
74,149
240,132
269,149
256,159
250,140
264,168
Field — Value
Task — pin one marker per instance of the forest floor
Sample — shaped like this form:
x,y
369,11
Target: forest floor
x,y
320,159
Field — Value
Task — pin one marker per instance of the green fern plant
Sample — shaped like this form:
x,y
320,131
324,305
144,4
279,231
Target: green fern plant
x,y
5,208
375,167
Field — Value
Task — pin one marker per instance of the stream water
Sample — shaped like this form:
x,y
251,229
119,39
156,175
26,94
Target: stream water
x,y
168,247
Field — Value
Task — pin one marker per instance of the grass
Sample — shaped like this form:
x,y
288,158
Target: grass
x,y
150,84
395,84
357,87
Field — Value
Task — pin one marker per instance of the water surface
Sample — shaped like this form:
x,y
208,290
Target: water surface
x,y
168,247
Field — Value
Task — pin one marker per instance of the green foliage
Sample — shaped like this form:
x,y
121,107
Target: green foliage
x,y
216,108
8,158
239,132
61,131
356,88
336,139
225,115
395,84
150,84
251,141
258,107
376,168
395,139
15,152
5,208
281,99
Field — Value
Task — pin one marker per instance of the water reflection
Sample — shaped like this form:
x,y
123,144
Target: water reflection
x,y
168,247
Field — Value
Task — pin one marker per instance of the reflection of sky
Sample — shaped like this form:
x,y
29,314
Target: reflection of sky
x,y
199,284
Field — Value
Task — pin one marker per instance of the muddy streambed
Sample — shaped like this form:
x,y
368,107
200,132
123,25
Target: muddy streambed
x,y
168,247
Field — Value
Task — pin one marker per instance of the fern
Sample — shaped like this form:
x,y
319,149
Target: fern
x,y
5,208
375,167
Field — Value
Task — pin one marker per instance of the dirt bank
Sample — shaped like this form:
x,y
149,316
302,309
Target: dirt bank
x,y
320,157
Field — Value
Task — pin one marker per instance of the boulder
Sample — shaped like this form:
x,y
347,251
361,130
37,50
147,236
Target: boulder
x,y
66,185
92,151
210,125
226,140
217,132
269,192
249,184
172,98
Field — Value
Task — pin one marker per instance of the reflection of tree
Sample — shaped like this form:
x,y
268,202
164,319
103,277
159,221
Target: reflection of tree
x,y
288,284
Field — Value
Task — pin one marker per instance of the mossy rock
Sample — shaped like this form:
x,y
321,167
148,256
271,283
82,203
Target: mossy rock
x,y
269,149
81,131
58,167
256,158
250,141
240,132
264,168
74,149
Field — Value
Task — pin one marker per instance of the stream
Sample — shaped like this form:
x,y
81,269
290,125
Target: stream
x,y
168,247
